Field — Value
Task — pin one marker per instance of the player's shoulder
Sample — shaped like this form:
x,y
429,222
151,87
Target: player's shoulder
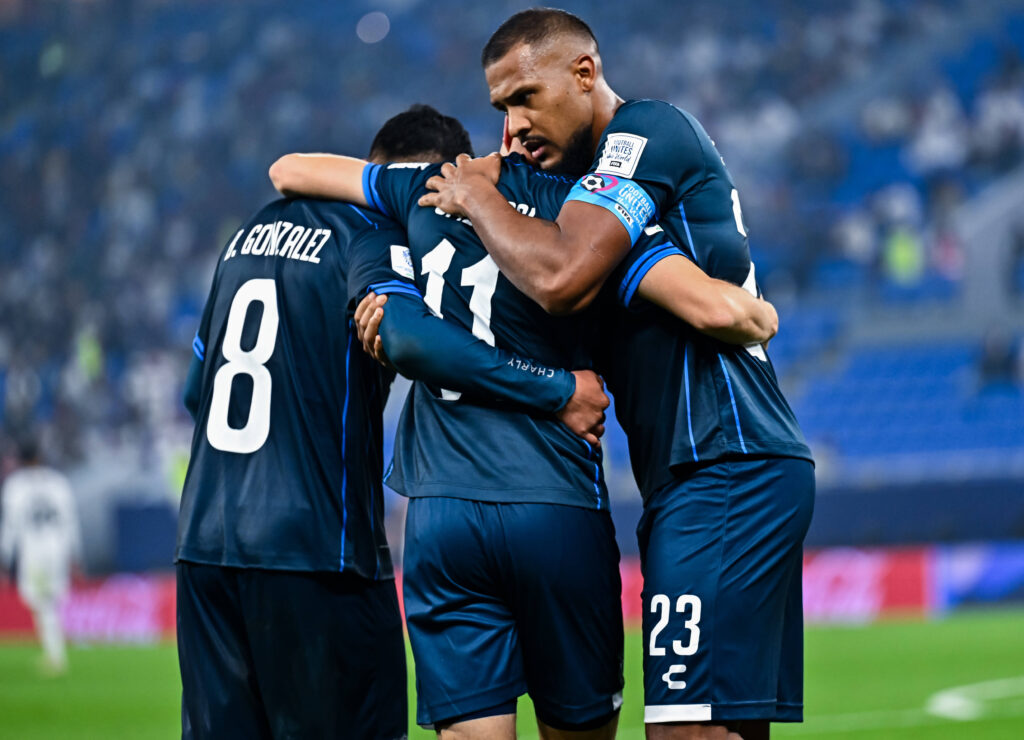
x,y
656,118
527,187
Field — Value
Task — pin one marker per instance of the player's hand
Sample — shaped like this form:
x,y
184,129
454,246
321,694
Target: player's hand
x,y
584,413
369,314
458,180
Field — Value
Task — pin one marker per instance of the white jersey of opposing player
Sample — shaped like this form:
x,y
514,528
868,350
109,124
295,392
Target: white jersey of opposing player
x,y
40,527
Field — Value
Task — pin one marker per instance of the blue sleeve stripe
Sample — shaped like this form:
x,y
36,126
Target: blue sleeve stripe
x,y
199,348
362,215
637,272
370,174
689,237
395,286
735,411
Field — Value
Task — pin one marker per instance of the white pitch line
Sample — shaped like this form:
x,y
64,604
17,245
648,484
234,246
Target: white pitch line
x,y
968,702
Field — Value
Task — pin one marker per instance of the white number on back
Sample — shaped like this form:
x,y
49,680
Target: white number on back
x,y
481,276
253,435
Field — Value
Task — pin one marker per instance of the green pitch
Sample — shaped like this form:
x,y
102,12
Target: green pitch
x,y
962,677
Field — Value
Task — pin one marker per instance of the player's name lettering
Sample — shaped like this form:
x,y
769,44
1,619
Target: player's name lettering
x,y
524,208
281,239
527,367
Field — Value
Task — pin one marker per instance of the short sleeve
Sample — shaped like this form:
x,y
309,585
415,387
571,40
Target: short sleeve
x,y
649,155
393,189
379,260
650,249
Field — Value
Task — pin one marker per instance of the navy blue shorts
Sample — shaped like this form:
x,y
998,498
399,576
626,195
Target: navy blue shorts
x,y
272,654
503,599
722,553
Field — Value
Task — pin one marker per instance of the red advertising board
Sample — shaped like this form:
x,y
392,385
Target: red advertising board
x,y
842,584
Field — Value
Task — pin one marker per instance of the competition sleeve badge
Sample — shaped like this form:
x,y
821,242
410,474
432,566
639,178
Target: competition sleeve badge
x,y
401,261
621,154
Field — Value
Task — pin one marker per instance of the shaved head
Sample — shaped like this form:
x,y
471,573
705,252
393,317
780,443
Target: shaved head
x,y
536,28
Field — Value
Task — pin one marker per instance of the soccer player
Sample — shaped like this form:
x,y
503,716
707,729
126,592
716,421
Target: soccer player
x,y
518,596
726,476
40,533
288,621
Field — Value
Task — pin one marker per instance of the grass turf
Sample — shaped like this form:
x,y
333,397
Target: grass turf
x,y
863,682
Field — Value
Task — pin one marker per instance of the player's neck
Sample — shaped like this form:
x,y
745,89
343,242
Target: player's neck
x,y
606,102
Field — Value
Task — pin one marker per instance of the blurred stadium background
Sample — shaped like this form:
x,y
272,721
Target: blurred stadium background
x,y
879,149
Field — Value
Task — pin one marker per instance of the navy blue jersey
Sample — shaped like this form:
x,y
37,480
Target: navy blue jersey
x,y
681,397
286,459
462,450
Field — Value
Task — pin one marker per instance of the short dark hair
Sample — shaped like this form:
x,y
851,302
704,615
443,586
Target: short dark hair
x,y
532,27
420,132
27,443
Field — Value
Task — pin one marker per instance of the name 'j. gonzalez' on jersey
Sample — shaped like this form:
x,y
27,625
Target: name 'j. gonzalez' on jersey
x,y
286,459
658,171
472,451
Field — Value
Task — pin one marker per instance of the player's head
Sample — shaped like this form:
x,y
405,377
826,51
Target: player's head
x,y
420,134
28,448
542,66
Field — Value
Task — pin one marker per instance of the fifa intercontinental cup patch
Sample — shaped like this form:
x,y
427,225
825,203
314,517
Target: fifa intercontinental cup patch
x,y
621,154
401,261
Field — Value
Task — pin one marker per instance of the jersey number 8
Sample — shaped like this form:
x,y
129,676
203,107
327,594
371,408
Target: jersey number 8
x,y
253,435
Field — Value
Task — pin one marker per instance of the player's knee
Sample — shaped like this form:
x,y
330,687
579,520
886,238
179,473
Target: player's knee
x,y
689,731
553,727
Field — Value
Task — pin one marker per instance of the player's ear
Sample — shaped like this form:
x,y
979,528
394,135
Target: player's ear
x,y
584,69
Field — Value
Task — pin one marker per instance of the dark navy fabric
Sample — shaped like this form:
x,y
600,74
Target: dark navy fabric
x,y
448,448
287,454
279,654
722,552
507,598
681,397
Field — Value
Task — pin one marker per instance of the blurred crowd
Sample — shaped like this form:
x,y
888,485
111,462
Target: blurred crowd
x,y
135,135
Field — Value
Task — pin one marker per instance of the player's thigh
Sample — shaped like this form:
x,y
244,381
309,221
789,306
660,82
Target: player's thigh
x,y
719,551
220,696
329,653
566,591
464,639
790,693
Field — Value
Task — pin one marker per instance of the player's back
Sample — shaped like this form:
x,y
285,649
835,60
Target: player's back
x,y
683,397
286,456
448,448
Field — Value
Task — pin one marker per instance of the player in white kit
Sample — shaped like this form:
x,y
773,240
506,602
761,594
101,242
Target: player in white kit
x,y
39,527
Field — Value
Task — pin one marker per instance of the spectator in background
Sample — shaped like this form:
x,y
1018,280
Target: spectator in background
x,y
39,531
1016,271
998,365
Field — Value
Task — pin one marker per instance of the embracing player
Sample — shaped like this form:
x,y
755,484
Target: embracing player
x,y
288,620
726,476
525,586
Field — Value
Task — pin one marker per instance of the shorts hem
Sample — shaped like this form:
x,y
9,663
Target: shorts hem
x,y
766,710
443,711
578,715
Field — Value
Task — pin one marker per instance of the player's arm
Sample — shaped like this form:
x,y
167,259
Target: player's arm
x,y
423,347
560,264
329,176
714,307
648,153
446,355
193,385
